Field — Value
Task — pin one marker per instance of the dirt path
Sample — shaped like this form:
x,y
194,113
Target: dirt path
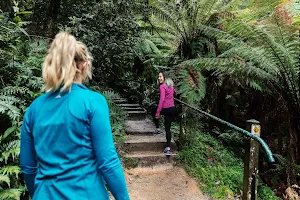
x,y
162,183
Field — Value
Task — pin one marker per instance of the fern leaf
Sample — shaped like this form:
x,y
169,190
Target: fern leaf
x,y
10,170
7,133
10,194
192,85
4,179
10,149
7,107
12,90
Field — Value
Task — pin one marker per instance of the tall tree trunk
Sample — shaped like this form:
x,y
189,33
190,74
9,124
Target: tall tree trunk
x,y
297,138
53,12
280,142
217,50
291,171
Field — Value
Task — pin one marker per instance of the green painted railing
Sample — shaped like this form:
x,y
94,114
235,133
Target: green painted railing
x,y
247,133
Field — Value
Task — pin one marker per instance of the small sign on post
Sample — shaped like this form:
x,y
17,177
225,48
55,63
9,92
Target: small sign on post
x,y
251,162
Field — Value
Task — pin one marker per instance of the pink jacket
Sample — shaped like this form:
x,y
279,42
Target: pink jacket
x,y
166,99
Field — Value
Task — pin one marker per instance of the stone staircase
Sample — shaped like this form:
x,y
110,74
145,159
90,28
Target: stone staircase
x,y
153,175
142,146
135,111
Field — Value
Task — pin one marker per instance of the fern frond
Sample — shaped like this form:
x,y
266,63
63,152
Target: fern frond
x,y
10,149
192,85
10,194
8,108
231,66
280,165
157,29
256,55
276,50
12,90
232,137
36,83
10,170
233,5
7,133
261,37
205,10
147,47
161,11
4,179
110,95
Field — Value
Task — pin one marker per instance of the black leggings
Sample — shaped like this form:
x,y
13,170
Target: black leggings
x,y
168,113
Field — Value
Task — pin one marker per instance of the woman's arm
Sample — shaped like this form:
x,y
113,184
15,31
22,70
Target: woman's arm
x,y
28,159
106,155
162,92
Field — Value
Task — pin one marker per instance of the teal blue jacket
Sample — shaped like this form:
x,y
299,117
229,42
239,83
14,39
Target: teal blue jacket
x,y
67,149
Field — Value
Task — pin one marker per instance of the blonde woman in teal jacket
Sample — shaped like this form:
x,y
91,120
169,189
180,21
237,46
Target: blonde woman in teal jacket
x,y
67,148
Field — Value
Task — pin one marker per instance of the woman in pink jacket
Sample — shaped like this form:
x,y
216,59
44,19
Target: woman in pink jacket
x,y
165,107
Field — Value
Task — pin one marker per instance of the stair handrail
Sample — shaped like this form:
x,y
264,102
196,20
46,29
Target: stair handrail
x,y
247,133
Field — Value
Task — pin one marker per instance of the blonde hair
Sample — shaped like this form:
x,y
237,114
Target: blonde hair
x,y
60,65
169,82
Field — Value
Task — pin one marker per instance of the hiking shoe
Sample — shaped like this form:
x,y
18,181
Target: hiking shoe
x,y
167,152
157,132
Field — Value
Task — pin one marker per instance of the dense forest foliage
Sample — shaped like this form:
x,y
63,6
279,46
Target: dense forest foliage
x,y
237,59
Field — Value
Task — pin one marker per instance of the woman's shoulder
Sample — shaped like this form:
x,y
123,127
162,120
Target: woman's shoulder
x,y
164,85
40,99
96,96
85,95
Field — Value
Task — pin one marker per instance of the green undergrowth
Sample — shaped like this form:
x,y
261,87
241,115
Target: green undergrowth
x,y
117,116
216,168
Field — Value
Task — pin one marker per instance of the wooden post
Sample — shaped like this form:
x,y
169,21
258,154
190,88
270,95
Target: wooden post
x,y
251,162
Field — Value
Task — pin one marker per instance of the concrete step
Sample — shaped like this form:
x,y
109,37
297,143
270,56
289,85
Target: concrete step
x,y
118,98
137,115
134,108
144,143
120,101
124,105
147,132
150,159
139,127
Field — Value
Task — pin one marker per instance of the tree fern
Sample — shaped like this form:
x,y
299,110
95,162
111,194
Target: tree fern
x,y
153,47
184,20
257,53
264,56
282,52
